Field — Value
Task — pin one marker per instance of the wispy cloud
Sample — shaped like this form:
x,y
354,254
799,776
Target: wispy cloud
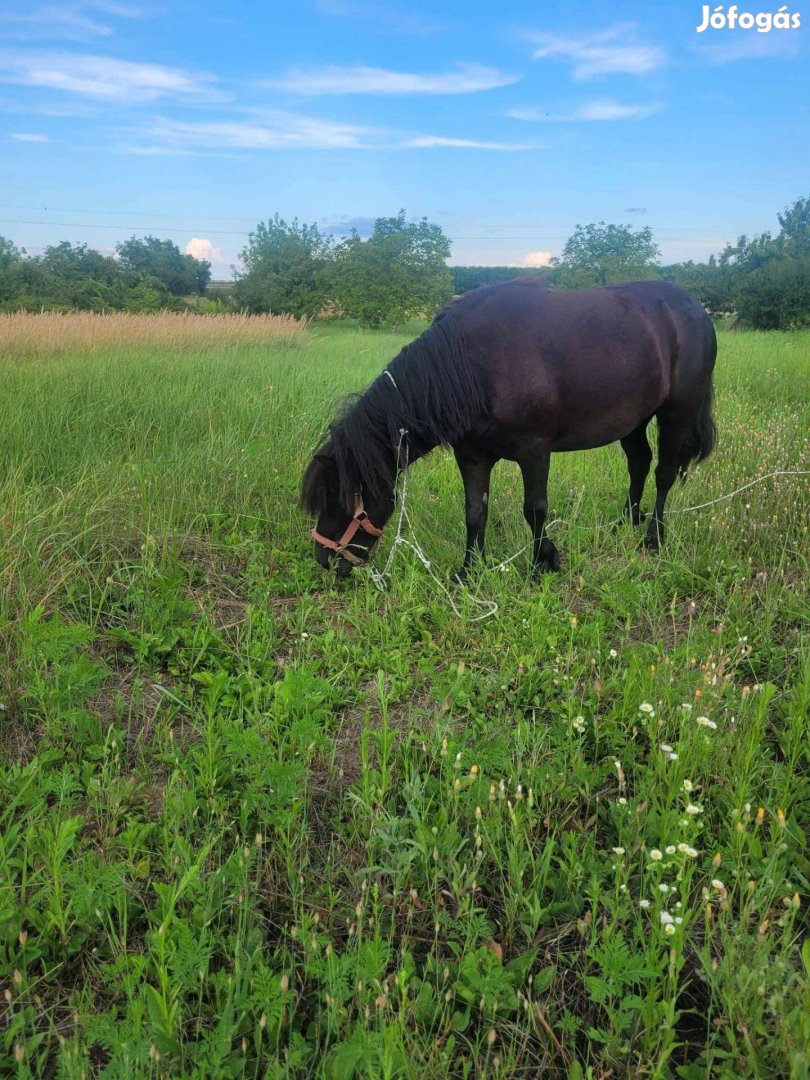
x,y
429,141
28,136
70,22
387,16
104,77
602,109
278,129
609,52
740,45
464,79
363,226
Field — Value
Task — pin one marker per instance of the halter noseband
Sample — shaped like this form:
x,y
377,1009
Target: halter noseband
x,y
360,520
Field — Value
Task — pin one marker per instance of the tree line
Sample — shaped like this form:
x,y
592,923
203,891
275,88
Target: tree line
x,y
147,274
400,271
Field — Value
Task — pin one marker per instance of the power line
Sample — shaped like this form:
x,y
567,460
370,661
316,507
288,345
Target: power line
x,y
225,217
533,238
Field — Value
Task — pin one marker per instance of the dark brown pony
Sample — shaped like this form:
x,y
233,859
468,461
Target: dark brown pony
x,y
519,371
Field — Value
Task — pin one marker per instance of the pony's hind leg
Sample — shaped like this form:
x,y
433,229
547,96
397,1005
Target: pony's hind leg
x,y
545,556
672,431
639,457
476,469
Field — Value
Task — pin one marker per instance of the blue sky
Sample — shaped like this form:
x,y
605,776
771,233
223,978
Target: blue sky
x,y
505,123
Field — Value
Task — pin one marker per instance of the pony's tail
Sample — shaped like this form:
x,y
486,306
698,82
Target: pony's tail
x,y
702,438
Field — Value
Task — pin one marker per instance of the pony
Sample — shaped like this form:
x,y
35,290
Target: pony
x,y
518,371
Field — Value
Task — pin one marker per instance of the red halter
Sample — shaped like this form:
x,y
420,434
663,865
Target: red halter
x,y
360,520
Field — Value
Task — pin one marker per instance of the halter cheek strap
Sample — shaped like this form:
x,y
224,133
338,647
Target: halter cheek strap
x,y
360,520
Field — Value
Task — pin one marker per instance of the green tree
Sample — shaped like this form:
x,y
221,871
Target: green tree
x,y
398,273
606,254
712,283
795,224
775,296
163,261
9,254
287,269
474,277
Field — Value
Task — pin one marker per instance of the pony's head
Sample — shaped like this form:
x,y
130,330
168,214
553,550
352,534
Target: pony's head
x,y
347,529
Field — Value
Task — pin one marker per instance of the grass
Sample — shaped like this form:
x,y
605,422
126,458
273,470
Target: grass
x,y
256,822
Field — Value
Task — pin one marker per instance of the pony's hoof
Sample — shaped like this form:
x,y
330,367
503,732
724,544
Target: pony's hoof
x,y
652,541
460,577
549,561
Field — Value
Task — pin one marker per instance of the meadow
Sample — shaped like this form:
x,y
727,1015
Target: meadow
x,y
257,822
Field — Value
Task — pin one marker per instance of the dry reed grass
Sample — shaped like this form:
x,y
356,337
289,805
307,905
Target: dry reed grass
x,y
41,335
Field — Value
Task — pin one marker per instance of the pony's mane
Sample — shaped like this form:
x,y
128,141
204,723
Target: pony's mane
x,y
434,393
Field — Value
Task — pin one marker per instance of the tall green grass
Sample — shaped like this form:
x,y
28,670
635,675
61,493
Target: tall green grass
x,y
256,822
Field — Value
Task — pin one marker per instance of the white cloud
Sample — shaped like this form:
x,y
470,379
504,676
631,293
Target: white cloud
x,y
537,258
72,22
465,79
741,45
601,53
201,248
386,15
104,77
28,136
430,141
602,109
277,129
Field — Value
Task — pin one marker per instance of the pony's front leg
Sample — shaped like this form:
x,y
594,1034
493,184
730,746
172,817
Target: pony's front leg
x,y
475,468
545,556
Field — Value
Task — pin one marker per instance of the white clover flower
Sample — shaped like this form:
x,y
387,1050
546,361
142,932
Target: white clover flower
x,y
683,848
672,757
618,851
665,747
656,855
693,809
647,708
644,904
687,706
578,724
678,920
613,654
718,884
687,785
663,887
670,849
665,917
704,721
669,929
622,801
692,852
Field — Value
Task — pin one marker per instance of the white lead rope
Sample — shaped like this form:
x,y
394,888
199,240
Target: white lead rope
x,y
380,577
